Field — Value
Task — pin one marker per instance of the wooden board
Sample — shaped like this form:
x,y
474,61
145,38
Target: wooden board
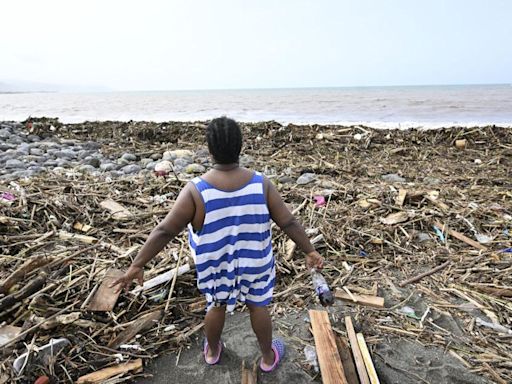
x,y
358,357
371,301
249,376
327,352
461,237
105,297
117,210
106,373
63,235
402,193
348,362
142,323
370,368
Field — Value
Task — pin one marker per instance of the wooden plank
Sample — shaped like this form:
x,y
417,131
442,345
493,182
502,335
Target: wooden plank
x,y
327,352
371,301
162,278
117,210
141,324
460,236
370,368
63,235
106,373
249,376
348,362
105,297
358,357
402,193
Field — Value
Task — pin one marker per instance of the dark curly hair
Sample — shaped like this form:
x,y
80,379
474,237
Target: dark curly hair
x,y
224,138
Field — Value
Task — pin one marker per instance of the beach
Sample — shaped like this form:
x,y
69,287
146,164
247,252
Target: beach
x,y
385,205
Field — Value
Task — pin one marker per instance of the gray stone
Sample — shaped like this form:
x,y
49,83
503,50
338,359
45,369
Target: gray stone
x,y
5,133
14,139
151,166
23,148
182,162
33,138
306,178
431,180
91,145
50,163
203,152
63,163
36,168
66,154
178,154
116,174
130,169
422,236
14,163
285,179
129,157
94,162
36,151
108,167
195,168
87,168
123,162
144,162
6,146
393,178
156,156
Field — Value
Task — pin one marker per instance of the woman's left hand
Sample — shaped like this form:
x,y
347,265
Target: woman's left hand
x,y
314,260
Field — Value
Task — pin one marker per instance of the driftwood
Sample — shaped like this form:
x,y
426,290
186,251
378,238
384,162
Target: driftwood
x,y
106,373
142,323
425,274
356,352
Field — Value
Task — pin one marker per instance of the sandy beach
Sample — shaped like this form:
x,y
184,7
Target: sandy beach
x,y
384,205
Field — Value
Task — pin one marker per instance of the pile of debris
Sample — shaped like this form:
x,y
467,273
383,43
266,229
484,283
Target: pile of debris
x,y
414,226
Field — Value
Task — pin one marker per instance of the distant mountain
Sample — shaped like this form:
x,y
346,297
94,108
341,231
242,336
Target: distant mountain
x,y
28,87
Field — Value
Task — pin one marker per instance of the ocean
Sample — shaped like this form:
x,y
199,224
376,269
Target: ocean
x,y
380,107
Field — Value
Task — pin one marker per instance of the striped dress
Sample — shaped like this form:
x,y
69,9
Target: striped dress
x,y
233,249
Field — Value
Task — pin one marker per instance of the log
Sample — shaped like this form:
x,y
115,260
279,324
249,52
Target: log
x,y
347,361
370,368
141,324
371,301
160,279
32,286
27,267
358,357
117,210
106,373
327,352
425,274
105,297
63,235
461,237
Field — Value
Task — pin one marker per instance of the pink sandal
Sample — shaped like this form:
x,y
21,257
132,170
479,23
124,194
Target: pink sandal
x,y
279,348
205,352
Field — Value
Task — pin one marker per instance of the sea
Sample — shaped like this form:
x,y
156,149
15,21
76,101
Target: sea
x,y
379,107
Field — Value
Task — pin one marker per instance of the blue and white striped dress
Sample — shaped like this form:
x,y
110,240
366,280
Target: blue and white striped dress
x,y
233,249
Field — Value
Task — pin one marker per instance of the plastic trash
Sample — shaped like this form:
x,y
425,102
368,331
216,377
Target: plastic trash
x,y
43,355
497,327
409,312
319,201
7,198
311,358
439,234
506,250
321,288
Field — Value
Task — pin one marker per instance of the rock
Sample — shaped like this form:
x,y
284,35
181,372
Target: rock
x,y
285,179
423,236
195,168
129,157
36,168
393,178
431,180
6,146
116,174
163,167
151,166
15,163
36,151
246,160
50,163
91,145
130,169
5,133
62,163
33,138
123,162
156,156
87,168
178,154
203,152
181,162
94,162
145,161
14,139
306,178
108,167
65,154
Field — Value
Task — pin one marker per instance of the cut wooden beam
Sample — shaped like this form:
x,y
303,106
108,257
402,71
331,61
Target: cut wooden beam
x,y
327,352
249,376
117,210
106,373
105,297
371,301
141,324
348,362
460,236
358,357
370,368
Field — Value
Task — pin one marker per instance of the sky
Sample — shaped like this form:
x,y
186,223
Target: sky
x,y
229,44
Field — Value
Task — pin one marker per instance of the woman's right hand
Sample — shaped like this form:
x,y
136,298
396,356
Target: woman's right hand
x,y
125,281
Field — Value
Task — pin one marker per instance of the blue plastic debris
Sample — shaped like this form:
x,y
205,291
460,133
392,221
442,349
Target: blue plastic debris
x,y
439,234
506,250
363,253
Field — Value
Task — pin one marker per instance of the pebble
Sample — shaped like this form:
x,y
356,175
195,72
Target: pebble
x,y
178,154
130,169
182,162
108,167
94,162
87,168
195,168
393,178
285,179
36,151
151,166
14,163
306,178
145,161
129,157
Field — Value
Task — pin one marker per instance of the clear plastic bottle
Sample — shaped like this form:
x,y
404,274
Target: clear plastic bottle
x,y
321,288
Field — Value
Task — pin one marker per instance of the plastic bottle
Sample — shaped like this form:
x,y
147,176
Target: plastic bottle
x,y
321,288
